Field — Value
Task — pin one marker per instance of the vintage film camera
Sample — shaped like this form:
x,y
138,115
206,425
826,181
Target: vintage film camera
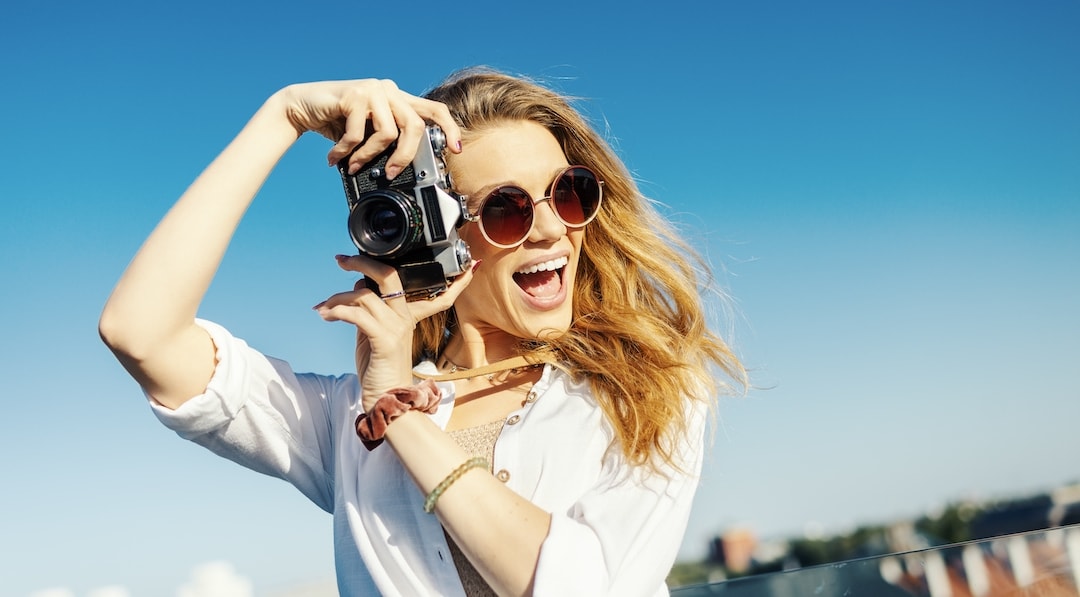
x,y
409,222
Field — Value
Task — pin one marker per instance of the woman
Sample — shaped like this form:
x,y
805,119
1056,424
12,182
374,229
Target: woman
x,y
571,472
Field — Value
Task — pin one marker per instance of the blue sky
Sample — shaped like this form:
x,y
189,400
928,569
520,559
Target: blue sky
x,y
890,191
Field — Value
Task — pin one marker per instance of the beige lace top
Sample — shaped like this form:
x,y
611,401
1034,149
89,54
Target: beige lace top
x,y
476,441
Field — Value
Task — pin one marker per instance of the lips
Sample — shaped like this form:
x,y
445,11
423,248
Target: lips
x,y
542,280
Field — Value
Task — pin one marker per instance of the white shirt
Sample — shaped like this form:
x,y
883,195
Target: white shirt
x,y
615,528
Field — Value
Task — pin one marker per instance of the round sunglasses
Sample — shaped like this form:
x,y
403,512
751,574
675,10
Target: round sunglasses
x,y
506,215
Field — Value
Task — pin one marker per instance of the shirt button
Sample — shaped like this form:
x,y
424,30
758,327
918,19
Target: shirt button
x,y
513,420
503,475
531,397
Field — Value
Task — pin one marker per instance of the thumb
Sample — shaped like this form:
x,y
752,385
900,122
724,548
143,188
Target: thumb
x,y
425,309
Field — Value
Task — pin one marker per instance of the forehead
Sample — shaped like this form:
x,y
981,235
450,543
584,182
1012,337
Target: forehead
x,y
521,153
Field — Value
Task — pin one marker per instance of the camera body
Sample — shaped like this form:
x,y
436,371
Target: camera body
x,y
409,222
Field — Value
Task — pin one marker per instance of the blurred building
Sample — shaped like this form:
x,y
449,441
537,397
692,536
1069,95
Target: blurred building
x,y
734,550
1023,546
1060,507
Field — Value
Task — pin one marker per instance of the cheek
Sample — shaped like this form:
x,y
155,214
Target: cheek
x,y
470,233
577,237
479,248
478,245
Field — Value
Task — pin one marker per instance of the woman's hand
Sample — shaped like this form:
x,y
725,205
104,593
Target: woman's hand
x,y
363,118
384,329
366,116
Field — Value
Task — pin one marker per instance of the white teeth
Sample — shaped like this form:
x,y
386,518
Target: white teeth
x,y
545,266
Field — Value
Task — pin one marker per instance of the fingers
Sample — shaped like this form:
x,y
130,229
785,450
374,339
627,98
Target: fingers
x,y
391,294
383,131
376,113
370,125
359,296
438,113
410,127
382,274
424,309
353,135
378,309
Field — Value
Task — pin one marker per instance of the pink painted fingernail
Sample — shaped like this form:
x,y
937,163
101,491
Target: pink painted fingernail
x,y
476,264
459,145
316,307
341,257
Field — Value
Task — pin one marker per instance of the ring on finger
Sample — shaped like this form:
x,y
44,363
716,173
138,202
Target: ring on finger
x,y
392,295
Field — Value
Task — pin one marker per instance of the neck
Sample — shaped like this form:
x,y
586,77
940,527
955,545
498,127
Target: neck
x,y
468,348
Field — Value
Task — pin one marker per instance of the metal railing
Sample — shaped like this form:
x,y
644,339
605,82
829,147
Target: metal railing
x,y
1039,563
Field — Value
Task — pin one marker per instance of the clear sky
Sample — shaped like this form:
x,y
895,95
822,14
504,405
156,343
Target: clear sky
x,y
889,190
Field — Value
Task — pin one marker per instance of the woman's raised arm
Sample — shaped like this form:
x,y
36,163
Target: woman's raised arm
x,y
149,320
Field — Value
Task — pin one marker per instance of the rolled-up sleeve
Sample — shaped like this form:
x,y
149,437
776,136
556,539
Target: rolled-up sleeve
x,y
257,412
622,537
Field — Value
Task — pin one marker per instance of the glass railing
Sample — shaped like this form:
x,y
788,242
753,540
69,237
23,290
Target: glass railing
x,y
1039,563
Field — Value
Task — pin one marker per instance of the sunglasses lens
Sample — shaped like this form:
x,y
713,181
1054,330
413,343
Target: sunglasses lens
x,y
507,216
576,196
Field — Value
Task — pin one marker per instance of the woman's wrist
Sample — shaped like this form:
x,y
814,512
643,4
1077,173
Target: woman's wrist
x,y
372,424
275,113
382,375
277,106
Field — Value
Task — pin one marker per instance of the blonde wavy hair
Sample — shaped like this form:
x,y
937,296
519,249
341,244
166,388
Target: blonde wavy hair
x,y
639,332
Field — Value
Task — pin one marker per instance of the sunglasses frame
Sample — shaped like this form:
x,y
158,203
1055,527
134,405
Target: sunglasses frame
x,y
477,217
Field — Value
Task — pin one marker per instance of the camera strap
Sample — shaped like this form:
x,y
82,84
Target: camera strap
x,y
518,362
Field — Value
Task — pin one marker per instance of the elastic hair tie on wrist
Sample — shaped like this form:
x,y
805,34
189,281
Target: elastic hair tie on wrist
x,y
371,426
433,497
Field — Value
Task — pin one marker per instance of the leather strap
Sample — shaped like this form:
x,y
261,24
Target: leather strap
x,y
496,367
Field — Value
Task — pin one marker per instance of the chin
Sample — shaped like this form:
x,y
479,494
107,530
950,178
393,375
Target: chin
x,y
547,328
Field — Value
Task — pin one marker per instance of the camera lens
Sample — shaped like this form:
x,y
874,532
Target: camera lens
x,y
384,226
385,223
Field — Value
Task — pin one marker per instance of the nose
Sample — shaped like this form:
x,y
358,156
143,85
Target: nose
x,y
546,225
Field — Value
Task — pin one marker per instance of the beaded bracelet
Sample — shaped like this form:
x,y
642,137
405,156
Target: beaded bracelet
x,y
475,462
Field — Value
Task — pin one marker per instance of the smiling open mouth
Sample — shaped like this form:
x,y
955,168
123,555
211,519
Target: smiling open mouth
x,y
542,280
